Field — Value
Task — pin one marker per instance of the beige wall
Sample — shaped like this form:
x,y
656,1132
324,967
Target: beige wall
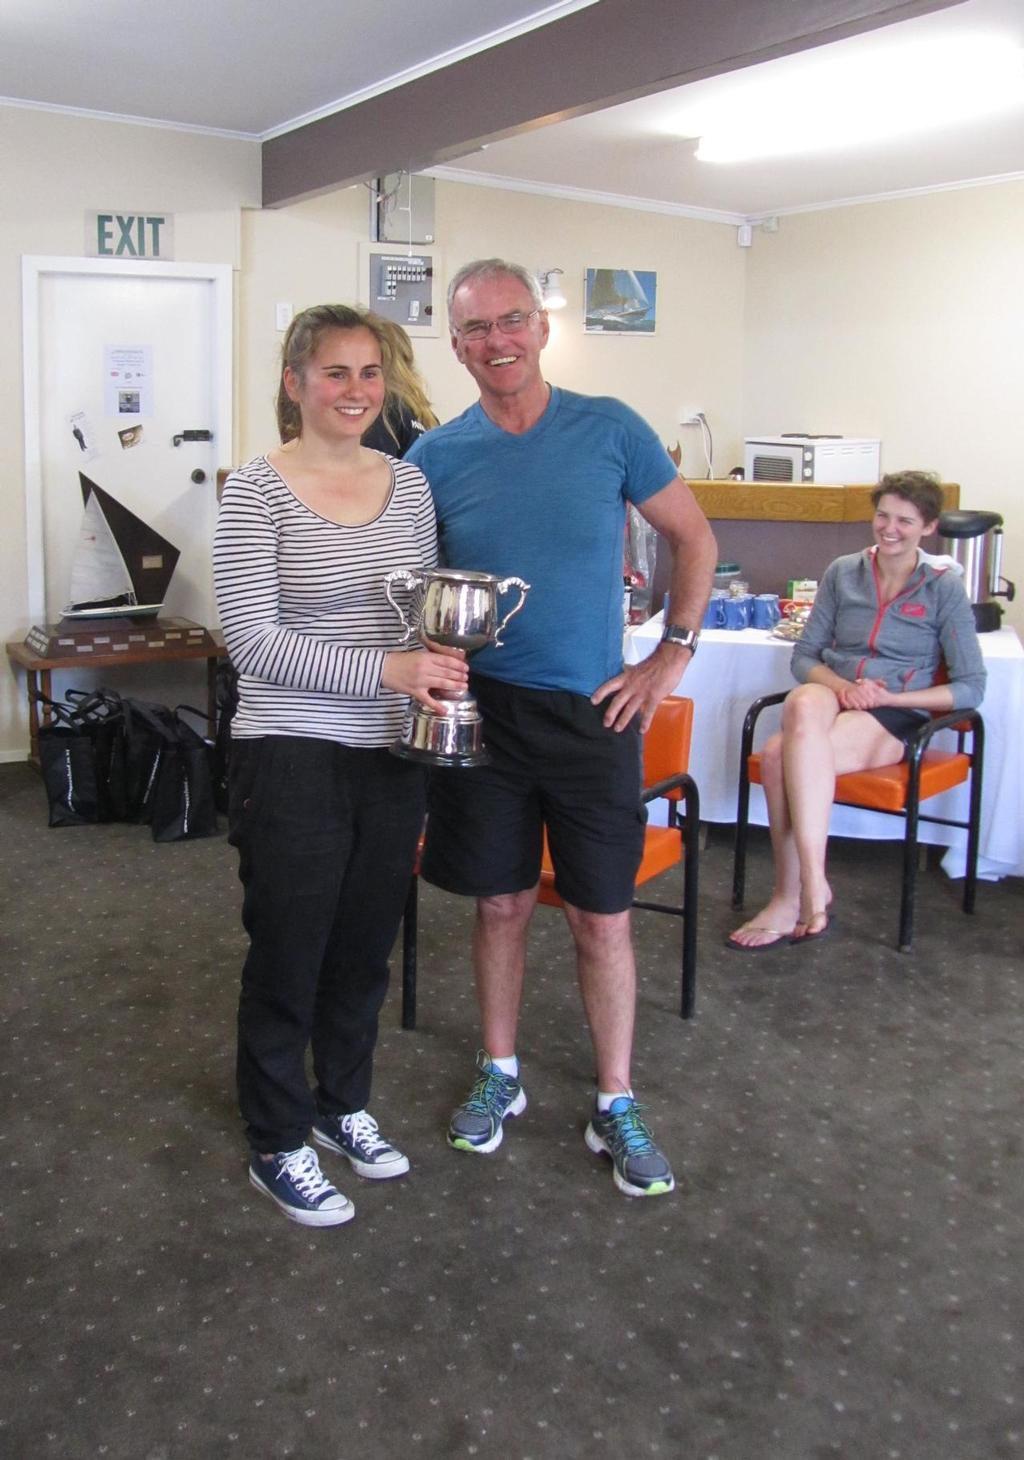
x,y
309,252
53,170
902,320
303,255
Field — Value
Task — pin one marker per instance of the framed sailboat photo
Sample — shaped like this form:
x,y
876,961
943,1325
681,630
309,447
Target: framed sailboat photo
x,y
620,301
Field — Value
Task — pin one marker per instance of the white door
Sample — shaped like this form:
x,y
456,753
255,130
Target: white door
x,y
121,359
127,359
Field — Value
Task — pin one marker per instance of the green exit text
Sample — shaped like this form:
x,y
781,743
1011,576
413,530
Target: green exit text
x,y
129,235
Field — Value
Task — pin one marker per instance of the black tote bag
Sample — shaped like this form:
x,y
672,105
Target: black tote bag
x,y
147,730
183,804
81,758
101,712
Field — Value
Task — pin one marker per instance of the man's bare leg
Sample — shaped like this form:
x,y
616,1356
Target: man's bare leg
x,y
499,966
606,969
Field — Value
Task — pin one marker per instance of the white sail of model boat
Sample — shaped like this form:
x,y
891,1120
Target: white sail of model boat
x,y
122,566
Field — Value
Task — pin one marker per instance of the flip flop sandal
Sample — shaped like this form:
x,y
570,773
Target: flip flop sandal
x,y
821,933
779,937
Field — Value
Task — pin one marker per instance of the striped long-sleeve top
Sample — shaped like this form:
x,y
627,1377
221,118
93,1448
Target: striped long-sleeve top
x,y
303,607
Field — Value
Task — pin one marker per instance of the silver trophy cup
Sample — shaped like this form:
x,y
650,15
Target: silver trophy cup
x,y
459,609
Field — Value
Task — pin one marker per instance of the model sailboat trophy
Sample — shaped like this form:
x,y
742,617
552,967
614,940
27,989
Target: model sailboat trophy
x,y
119,578
122,565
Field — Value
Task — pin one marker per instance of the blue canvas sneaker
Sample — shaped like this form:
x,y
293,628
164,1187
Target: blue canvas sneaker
x,y
638,1167
357,1137
477,1125
294,1181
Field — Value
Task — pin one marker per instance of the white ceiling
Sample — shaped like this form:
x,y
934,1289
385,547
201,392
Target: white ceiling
x,y
253,67
631,150
256,68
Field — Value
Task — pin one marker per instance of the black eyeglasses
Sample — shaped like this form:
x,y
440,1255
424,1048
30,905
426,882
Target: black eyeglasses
x,y
509,324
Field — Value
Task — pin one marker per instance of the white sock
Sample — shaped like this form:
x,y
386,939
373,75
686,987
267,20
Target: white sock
x,y
605,1098
509,1065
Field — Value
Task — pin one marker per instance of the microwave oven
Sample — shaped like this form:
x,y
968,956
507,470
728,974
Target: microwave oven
x,y
849,460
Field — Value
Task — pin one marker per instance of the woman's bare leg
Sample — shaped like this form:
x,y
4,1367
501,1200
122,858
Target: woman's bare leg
x,y
809,771
821,742
798,768
776,920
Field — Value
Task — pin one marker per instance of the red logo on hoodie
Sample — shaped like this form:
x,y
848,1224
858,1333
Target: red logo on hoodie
x,y
912,610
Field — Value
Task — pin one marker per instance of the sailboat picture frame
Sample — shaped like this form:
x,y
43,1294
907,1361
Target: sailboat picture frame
x,y
620,302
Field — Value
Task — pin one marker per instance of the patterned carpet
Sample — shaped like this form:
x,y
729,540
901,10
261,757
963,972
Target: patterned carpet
x,y
837,1275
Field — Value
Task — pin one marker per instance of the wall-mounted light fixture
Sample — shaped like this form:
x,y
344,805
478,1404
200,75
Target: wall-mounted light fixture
x,y
551,289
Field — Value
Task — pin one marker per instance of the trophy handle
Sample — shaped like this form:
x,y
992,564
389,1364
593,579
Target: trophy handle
x,y
404,578
503,587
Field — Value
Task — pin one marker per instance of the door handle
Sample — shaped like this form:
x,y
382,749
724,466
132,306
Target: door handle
x,y
191,436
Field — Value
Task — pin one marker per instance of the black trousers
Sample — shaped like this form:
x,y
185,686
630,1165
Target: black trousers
x,y
326,837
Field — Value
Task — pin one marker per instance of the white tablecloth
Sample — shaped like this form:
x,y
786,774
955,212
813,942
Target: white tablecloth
x,y
732,668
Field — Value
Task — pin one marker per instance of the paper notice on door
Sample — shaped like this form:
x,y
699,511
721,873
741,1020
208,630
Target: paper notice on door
x,y
128,379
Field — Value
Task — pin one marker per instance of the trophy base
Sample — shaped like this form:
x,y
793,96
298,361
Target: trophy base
x,y
438,758
453,739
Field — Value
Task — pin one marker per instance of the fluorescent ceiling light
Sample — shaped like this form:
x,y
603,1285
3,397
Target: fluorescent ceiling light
x,y
849,102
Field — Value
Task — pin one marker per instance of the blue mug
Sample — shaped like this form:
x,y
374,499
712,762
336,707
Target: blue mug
x,y
738,611
766,611
714,614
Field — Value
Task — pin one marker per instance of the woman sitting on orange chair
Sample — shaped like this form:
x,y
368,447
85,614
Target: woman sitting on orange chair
x,y
884,623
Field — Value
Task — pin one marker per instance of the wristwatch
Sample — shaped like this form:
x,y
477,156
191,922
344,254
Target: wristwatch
x,y
685,638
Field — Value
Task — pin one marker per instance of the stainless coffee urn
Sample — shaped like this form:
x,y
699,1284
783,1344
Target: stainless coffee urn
x,y
975,541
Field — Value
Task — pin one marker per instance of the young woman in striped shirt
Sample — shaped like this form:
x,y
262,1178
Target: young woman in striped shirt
x,y
324,818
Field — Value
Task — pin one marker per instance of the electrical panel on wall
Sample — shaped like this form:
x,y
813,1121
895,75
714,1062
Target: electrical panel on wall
x,y
402,208
403,286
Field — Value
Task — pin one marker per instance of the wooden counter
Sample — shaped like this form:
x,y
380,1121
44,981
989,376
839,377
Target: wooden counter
x,y
776,531
782,502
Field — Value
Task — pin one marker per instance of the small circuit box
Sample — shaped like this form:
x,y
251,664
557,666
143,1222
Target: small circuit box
x,y
401,288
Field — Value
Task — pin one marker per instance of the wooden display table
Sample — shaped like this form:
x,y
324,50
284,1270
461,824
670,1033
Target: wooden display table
x,y
159,641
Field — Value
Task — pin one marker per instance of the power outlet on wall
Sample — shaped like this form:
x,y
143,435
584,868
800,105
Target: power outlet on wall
x,y
690,416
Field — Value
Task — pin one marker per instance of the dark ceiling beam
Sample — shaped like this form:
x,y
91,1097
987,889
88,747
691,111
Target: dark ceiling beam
x,y
614,51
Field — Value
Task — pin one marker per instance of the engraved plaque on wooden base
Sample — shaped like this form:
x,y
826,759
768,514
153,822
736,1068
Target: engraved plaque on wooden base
x,y
72,638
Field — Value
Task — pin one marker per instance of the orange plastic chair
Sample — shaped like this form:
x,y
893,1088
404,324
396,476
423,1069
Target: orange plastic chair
x,y
896,790
666,756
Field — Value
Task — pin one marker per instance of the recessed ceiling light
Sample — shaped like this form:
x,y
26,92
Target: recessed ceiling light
x,y
852,101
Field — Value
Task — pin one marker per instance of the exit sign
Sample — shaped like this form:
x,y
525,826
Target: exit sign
x,y
129,235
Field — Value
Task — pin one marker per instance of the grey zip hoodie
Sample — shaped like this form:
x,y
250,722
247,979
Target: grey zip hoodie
x,y
902,642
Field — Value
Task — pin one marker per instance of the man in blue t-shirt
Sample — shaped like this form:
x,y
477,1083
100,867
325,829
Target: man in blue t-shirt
x,y
534,481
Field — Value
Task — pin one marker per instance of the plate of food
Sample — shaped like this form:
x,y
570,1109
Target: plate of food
x,y
794,617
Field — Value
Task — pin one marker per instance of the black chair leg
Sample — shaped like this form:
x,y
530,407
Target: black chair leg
x,y
974,817
739,865
409,930
691,855
908,888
